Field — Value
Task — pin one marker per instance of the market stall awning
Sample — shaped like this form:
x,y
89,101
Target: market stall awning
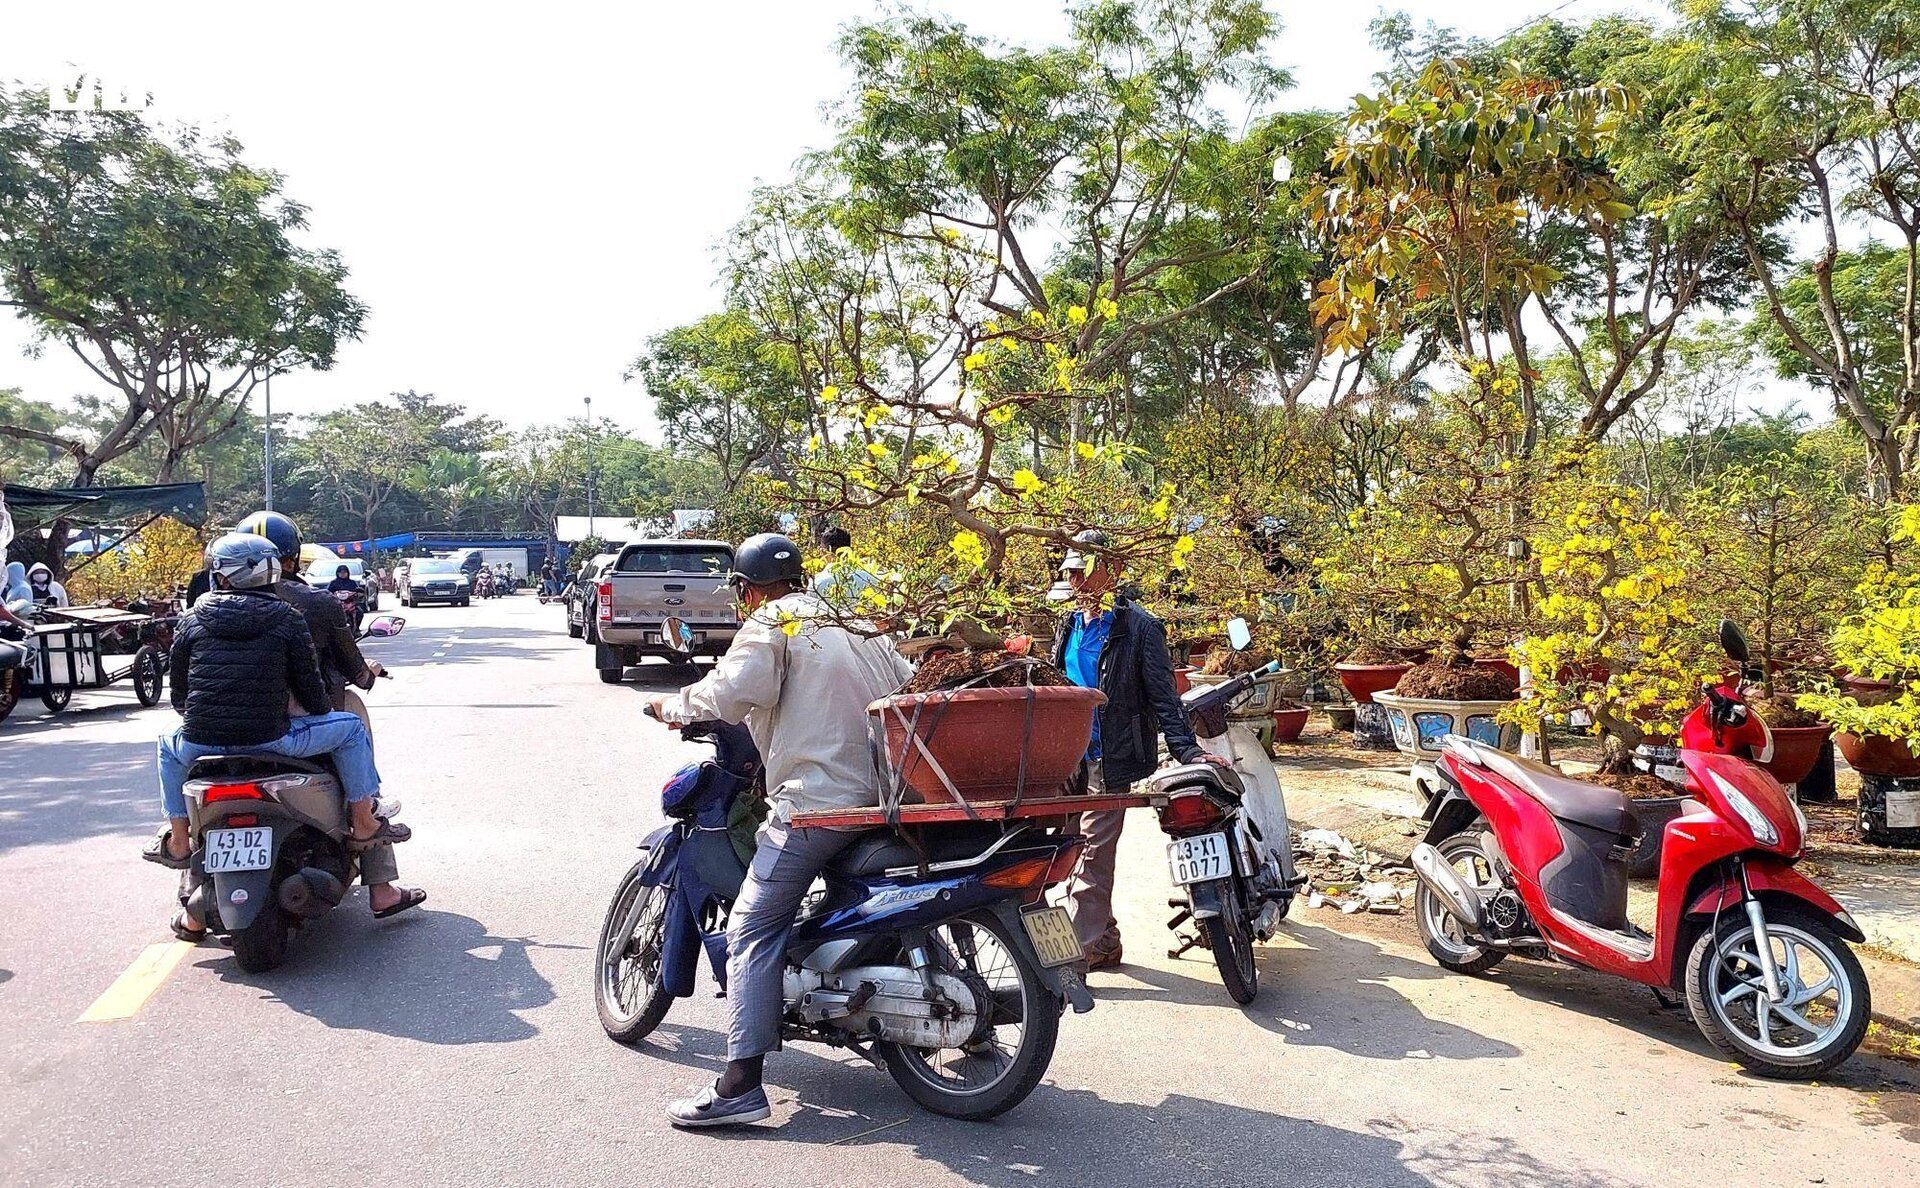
x,y
34,507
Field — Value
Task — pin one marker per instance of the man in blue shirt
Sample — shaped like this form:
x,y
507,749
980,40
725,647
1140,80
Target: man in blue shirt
x,y
1109,643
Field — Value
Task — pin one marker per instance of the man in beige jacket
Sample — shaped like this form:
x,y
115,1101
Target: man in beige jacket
x,y
800,680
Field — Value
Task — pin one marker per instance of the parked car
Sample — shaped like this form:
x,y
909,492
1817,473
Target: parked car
x,y
650,580
432,579
580,595
321,572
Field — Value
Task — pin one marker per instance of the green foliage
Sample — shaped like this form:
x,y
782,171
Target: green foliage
x,y
1880,640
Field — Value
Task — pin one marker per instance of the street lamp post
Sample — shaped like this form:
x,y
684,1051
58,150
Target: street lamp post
x,y
588,401
268,456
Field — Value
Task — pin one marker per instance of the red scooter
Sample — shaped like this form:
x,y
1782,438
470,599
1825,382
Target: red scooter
x,y
1522,859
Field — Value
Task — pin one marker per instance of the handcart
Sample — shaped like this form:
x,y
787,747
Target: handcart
x,y
64,653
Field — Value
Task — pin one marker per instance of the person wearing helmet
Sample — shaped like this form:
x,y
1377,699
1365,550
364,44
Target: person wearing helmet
x,y
800,679
43,589
237,656
341,664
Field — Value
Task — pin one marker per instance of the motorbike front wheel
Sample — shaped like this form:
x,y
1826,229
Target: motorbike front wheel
x,y
1232,945
1012,1045
1826,1008
626,982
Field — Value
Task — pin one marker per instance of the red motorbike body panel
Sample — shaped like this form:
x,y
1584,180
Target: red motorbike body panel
x,y
1768,875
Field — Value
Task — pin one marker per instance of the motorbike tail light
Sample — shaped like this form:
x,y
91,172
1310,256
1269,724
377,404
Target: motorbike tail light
x,y
242,820
1065,859
247,791
1021,875
1190,811
604,595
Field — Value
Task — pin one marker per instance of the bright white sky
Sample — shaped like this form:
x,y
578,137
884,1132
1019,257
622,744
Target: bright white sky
x,y
524,194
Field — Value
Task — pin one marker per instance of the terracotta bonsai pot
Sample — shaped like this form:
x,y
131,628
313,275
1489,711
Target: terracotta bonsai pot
x,y
1364,680
1181,675
1795,750
1288,723
1878,755
973,735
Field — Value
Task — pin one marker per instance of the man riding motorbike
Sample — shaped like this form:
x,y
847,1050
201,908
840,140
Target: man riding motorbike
x,y
341,665
801,681
237,656
343,583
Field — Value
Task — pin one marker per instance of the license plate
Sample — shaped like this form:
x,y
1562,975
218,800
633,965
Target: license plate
x,y
238,849
1051,931
1199,859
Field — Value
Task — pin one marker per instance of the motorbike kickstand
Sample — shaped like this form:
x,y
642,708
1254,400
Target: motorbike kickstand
x,y
1666,1004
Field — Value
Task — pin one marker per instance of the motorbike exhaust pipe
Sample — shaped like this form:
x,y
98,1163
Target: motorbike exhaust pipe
x,y
311,893
1440,878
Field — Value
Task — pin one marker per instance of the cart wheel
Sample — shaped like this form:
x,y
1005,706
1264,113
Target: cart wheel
x,y
11,680
56,698
147,675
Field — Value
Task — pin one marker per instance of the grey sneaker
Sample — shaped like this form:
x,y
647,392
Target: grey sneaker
x,y
707,1108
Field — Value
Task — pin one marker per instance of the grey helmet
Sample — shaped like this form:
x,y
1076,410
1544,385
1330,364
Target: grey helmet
x,y
766,559
248,562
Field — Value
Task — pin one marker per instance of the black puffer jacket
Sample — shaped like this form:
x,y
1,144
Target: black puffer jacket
x,y
235,657
1136,674
341,663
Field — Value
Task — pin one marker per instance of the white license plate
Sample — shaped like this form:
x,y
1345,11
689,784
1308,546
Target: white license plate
x,y
1200,859
238,849
1051,931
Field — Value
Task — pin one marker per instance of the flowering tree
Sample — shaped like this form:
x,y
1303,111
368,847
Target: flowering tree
x,y
1880,640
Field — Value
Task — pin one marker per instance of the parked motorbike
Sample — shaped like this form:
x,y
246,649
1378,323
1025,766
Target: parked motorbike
x,y
1230,854
1522,859
937,961
270,845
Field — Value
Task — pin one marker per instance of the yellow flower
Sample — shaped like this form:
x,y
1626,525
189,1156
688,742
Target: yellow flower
x,y
878,449
1077,314
974,361
830,393
1026,482
968,546
1109,308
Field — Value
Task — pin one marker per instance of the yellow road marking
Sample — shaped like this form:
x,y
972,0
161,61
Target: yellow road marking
x,y
131,990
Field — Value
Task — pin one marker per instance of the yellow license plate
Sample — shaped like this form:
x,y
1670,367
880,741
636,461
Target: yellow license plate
x,y
1051,931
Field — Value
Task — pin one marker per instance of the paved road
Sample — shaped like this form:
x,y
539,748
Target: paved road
x,y
459,1046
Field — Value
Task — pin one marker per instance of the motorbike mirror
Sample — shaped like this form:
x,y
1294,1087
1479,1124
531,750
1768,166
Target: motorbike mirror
x,y
384,626
676,637
1239,634
1733,641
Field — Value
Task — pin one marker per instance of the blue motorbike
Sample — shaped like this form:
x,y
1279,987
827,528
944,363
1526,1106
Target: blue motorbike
x,y
931,954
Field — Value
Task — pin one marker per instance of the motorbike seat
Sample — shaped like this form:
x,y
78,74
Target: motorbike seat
x,y
1570,800
879,850
1171,779
245,766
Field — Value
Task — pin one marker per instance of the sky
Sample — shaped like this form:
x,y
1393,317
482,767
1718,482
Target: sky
x,y
523,194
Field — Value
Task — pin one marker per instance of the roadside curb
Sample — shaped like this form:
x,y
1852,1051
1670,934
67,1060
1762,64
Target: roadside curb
x,y
1895,984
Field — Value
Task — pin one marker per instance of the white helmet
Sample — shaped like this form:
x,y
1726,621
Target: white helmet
x,y
248,562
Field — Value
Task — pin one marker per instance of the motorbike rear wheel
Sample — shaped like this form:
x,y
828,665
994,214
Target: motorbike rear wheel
x,y
626,974
262,945
986,1078
1232,945
1446,939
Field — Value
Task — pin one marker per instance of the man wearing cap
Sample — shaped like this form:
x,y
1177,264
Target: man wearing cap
x,y
1107,642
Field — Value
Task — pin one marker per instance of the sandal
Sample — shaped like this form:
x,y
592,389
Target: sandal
x,y
158,851
185,931
390,833
410,898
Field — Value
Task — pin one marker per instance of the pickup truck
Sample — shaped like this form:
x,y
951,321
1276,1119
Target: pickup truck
x,y
650,580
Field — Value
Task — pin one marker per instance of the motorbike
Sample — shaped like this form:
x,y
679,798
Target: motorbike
x,y
483,586
350,605
270,848
934,958
1520,859
1231,854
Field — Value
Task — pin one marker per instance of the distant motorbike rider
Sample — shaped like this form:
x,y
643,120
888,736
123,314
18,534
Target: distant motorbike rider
x,y
341,665
343,583
237,656
801,682
46,591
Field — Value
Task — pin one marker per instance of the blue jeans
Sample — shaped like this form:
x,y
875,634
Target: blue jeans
x,y
340,734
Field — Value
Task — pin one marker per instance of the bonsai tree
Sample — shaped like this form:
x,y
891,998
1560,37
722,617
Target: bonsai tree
x,y
1775,546
1880,641
1616,633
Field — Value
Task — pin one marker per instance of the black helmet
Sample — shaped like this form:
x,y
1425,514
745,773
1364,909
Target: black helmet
x,y
766,559
283,532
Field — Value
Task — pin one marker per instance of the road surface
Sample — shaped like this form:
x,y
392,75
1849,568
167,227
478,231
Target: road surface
x,y
459,1045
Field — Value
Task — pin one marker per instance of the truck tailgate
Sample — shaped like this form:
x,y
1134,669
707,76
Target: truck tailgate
x,y
655,579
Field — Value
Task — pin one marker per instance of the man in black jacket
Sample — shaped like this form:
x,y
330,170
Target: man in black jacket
x,y
236,658
1109,643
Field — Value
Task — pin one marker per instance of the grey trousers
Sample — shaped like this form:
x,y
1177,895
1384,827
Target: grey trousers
x,y
784,866
1090,897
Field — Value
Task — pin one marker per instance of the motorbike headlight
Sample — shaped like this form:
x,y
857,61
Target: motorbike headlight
x,y
1749,813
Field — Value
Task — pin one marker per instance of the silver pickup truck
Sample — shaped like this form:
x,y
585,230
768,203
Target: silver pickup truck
x,y
650,580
